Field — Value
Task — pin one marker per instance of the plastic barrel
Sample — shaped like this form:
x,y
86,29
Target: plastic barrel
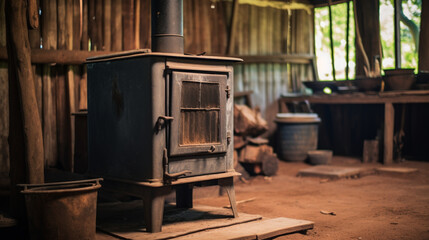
x,y
296,135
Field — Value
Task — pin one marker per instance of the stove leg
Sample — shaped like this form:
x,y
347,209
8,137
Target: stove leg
x,y
154,208
228,185
184,196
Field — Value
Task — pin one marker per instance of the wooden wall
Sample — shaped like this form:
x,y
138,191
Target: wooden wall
x,y
4,102
115,25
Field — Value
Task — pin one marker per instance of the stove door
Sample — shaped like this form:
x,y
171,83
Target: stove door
x,y
198,102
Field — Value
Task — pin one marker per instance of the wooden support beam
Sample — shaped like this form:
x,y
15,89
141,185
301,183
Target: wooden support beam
x,y
21,79
65,57
232,26
284,58
389,123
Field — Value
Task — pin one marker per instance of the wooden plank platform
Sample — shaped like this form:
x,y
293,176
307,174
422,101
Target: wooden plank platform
x,y
333,172
264,229
126,221
396,170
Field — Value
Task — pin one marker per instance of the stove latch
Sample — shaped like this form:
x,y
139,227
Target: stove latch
x,y
228,137
162,121
228,91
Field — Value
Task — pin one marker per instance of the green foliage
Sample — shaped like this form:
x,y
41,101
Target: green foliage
x,y
411,9
339,25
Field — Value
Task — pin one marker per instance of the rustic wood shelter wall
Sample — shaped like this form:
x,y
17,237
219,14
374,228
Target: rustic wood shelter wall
x,y
114,25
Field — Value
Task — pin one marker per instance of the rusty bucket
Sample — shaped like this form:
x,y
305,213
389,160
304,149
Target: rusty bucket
x,y
62,210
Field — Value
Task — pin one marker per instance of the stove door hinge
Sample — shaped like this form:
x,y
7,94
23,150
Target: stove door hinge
x,y
162,121
228,91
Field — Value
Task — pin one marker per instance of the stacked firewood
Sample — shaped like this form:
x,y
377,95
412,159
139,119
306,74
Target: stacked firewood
x,y
252,154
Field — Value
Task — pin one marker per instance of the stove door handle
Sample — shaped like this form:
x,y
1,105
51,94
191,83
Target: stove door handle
x,y
212,149
176,175
162,121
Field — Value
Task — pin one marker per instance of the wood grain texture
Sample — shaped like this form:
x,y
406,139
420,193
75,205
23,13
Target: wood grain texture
x,y
128,24
21,76
145,24
116,25
424,38
107,22
389,123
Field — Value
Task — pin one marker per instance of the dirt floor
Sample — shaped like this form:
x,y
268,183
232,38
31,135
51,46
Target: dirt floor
x,y
378,206
375,206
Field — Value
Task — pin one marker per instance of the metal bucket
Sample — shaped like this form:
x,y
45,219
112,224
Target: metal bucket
x,y
296,135
62,210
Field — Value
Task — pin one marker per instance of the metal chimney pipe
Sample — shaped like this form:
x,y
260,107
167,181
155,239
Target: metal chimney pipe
x,y
167,26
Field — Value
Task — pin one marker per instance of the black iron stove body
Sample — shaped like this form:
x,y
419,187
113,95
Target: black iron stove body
x,y
161,121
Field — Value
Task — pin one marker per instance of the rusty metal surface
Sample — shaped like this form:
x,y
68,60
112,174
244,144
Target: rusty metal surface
x,y
64,210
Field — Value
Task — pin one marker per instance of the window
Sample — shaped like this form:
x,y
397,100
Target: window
x,y
410,27
323,44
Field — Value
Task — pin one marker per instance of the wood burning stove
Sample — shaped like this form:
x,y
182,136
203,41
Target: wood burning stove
x,y
159,121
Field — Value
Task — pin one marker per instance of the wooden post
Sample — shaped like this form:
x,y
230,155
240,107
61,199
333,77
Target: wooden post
x,y
33,14
331,41
424,38
232,25
4,99
389,123
21,76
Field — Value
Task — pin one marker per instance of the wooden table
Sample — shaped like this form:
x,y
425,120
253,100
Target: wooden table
x,y
386,98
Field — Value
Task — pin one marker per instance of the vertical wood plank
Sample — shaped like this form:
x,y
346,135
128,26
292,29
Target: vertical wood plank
x,y
128,24
99,44
205,26
61,18
116,25
84,38
196,27
188,26
4,100
107,34
145,25
77,24
389,123
232,26
69,24
92,24
137,24
49,36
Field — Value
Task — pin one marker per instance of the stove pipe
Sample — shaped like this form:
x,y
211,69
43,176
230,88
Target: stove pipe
x,y
167,26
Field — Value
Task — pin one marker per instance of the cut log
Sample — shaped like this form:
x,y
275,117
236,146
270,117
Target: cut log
x,y
270,164
248,122
258,141
239,142
253,154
